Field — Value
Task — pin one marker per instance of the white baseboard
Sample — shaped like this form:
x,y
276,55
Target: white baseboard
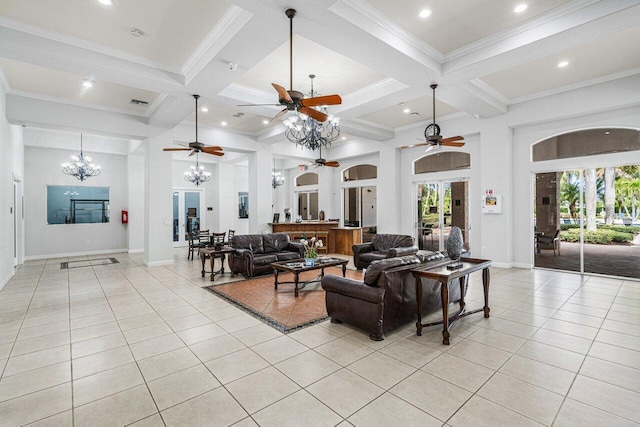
x,y
4,281
522,265
157,263
104,251
502,264
136,251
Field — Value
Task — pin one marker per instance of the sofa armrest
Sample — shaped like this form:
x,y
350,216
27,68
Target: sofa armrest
x,y
296,247
352,288
397,252
359,249
244,253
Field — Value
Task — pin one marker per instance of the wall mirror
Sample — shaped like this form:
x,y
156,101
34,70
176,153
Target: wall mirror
x,y
243,205
77,205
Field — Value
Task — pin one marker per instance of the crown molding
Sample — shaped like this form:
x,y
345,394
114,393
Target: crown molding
x,y
579,85
4,82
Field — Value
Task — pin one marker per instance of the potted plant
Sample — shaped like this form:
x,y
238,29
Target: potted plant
x,y
311,250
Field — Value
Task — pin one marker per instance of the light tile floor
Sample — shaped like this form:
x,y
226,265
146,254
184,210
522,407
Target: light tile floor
x,y
124,344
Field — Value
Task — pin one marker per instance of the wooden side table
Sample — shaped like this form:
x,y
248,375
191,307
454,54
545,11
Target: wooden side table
x,y
212,253
445,277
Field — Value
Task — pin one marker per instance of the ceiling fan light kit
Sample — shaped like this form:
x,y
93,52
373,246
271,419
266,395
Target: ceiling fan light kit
x,y
81,166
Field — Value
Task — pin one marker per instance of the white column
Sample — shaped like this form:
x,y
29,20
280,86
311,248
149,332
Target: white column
x,y
389,191
158,246
135,205
326,191
227,199
260,164
496,158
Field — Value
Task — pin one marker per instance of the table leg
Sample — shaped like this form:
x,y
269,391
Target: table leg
x,y
222,258
485,285
419,305
203,259
275,278
295,274
213,264
463,281
444,293
344,270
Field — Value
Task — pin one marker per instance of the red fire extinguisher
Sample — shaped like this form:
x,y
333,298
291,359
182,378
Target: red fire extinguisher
x,y
125,217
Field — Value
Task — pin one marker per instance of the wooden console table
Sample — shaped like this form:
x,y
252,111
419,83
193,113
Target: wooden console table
x,y
445,277
212,253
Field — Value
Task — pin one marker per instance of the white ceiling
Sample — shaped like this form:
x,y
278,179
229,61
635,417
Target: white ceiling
x,y
373,53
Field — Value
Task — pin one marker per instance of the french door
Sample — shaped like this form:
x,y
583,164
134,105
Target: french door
x,y
439,206
188,209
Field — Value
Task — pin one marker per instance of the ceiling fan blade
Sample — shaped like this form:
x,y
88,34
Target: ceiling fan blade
x,y
216,151
321,100
212,147
176,149
453,138
332,164
415,145
282,93
433,147
314,114
192,153
280,114
257,105
452,143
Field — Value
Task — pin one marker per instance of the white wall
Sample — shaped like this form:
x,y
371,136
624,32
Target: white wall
x,y
240,184
11,165
135,206
42,168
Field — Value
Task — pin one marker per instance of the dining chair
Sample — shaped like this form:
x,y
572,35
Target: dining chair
x,y
230,235
193,245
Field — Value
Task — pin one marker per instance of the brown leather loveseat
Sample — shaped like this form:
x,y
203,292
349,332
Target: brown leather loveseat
x,y
387,297
382,246
254,253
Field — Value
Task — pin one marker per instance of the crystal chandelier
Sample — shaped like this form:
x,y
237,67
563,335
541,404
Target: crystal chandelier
x,y
81,166
310,133
197,175
276,177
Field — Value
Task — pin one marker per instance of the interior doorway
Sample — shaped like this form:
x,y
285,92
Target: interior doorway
x,y
188,214
440,205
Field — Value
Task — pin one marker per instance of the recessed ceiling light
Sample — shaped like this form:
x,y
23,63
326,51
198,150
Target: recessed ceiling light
x,y
204,109
106,2
87,83
223,123
406,111
563,64
425,13
136,32
520,8
265,122
344,138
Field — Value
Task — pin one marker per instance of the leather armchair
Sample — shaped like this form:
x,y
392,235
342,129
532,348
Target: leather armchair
x,y
254,253
386,298
382,246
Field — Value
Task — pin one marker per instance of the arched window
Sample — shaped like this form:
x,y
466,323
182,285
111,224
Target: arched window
x,y
309,178
444,161
588,142
359,172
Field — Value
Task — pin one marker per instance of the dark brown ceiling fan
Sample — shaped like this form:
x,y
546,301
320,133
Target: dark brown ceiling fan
x,y
293,100
196,146
322,162
432,132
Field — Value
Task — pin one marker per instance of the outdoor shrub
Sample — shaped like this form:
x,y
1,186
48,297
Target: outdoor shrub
x,y
599,237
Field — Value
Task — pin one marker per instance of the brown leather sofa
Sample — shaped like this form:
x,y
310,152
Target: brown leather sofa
x,y
382,246
254,253
387,298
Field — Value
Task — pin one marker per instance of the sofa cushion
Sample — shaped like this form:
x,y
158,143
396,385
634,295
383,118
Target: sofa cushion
x,y
429,255
377,267
372,256
264,259
285,256
384,242
253,242
275,242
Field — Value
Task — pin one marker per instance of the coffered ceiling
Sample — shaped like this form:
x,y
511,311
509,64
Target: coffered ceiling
x,y
378,56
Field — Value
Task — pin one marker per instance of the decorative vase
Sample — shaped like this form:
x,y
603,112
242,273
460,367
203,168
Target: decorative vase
x,y
454,243
321,216
309,262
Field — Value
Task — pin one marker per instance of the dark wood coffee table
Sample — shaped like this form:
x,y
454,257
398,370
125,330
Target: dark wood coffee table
x,y
212,253
445,277
297,266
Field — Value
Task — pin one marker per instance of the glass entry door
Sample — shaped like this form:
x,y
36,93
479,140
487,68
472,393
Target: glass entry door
x,y
441,205
188,206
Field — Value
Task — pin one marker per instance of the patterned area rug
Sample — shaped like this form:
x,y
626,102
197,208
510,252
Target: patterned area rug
x,y
281,309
